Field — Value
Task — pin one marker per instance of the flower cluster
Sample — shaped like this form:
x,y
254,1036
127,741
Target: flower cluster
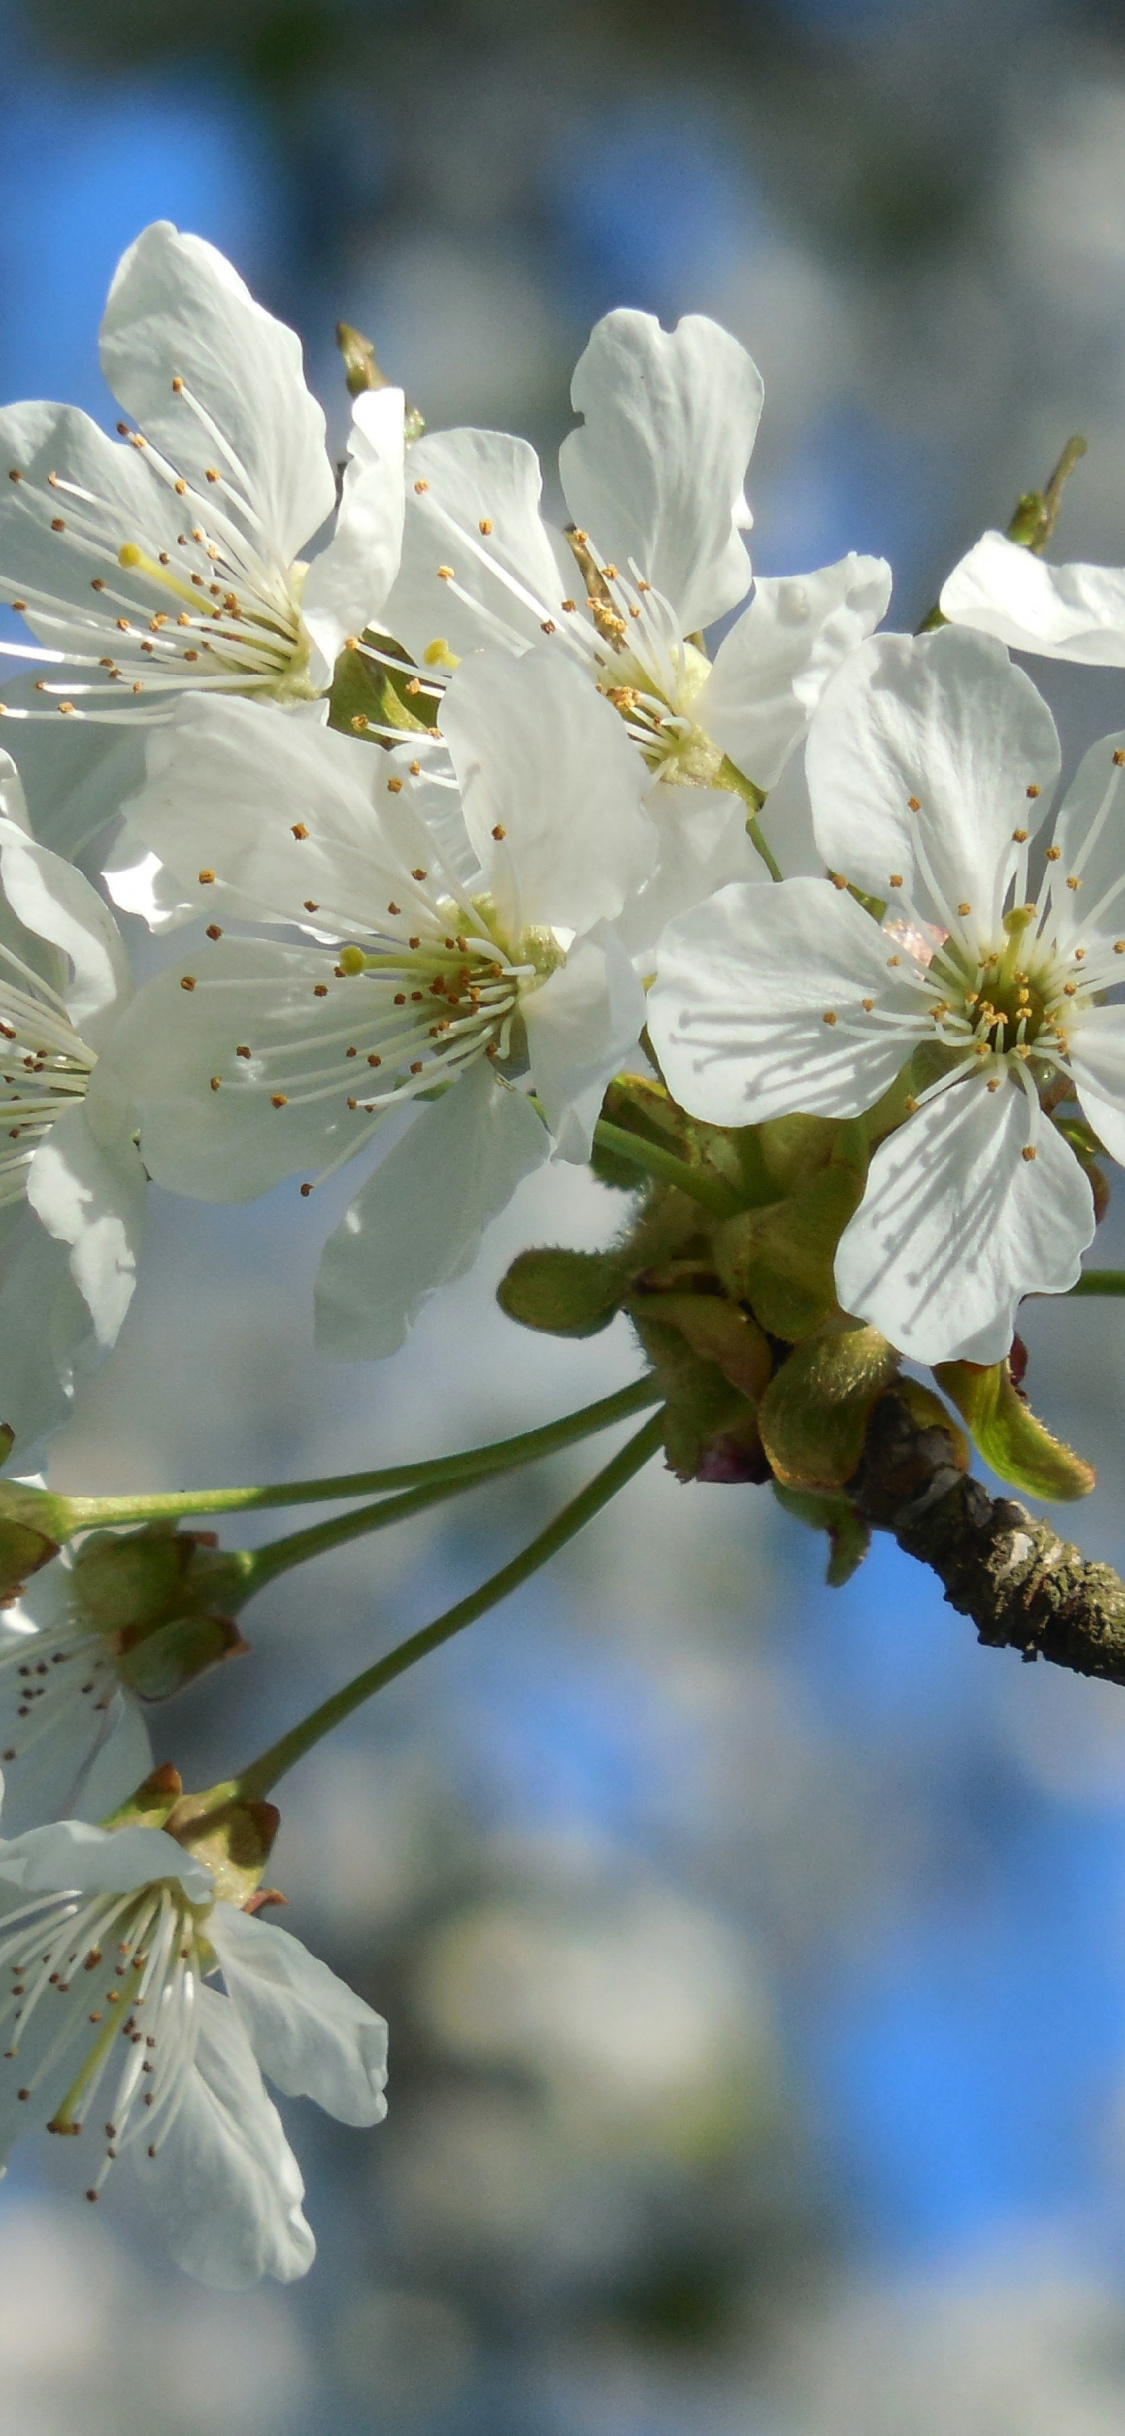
x,y
458,842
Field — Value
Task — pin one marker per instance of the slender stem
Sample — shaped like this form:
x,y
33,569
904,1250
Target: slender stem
x,y
84,1513
736,781
1100,1281
714,1195
265,1771
263,1565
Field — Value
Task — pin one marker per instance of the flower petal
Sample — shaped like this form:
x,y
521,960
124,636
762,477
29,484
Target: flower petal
x,y
1090,836
91,1196
224,2180
1067,613
178,310
758,1011
231,1143
656,469
54,901
348,582
473,505
943,719
99,1860
553,791
580,1026
418,1221
956,1225
772,667
76,774
309,2031
701,846
1097,1063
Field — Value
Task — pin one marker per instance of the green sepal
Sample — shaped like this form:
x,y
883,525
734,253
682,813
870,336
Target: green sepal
x,y
640,1104
702,1411
152,1803
813,1416
849,1537
33,1526
161,1662
127,1583
233,1838
1005,1431
781,1259
564,1293
718,1331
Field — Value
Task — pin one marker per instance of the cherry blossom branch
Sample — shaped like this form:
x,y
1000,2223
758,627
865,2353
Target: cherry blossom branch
x,y
1023,1586
265,1771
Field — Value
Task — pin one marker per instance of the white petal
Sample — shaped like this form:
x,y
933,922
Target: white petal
x,y
99,1860
418,1222
946,719
701,846
1097,1062
224,2181
1090,836
348,582
581,1026
177,309
956,1225
52,899
456,483
120,1763
231,1144
310,2033
91,1196
281,810
544,760
655,473
1066,613
771,669
45,1332
737,1013
76,774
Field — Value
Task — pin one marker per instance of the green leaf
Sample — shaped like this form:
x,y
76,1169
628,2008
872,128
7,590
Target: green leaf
x,y
564,1293
813,1416
1004,1429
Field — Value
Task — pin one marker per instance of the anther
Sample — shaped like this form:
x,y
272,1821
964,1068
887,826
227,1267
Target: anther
x,y
320,989
1074,884
896,882
446,574
828,1016
312,905
187,981
298,829
278,1100
964,909
359,722
205,878
1019,837
242,1050
485,525
499,831
394,786
1032,792
216,1082
214,931
1119,759
417,875
868,1003
1053,853
1029,1151
420,487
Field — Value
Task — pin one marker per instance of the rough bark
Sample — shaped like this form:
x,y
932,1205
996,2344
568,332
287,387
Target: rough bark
x,y
1023,1586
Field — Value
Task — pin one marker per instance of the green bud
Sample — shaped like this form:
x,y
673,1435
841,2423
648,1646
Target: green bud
x,y
718,1331
564,1293
164,1598
813,1416
849,1537
710,1430
1013,1443
781,1259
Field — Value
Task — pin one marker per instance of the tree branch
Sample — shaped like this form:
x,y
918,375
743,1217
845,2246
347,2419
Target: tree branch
x,y
1023,1586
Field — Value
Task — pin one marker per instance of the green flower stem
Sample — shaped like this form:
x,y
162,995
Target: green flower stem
x,y
1033,519
710,1191
1100,1281
737,783
478,1463
264,1772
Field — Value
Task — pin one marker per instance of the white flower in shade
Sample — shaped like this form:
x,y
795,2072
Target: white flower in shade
x,y
173,559
930,765
1071,612
462,935
653,479
114,2037
71,1182
72,1737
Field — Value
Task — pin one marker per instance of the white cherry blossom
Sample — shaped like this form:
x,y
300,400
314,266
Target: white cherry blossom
x,y
1074,612
72,1737
653,480
72,1186
455,934
116,2038
930,765
173,558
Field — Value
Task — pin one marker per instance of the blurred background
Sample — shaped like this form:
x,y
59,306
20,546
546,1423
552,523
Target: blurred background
x,y
754,1954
